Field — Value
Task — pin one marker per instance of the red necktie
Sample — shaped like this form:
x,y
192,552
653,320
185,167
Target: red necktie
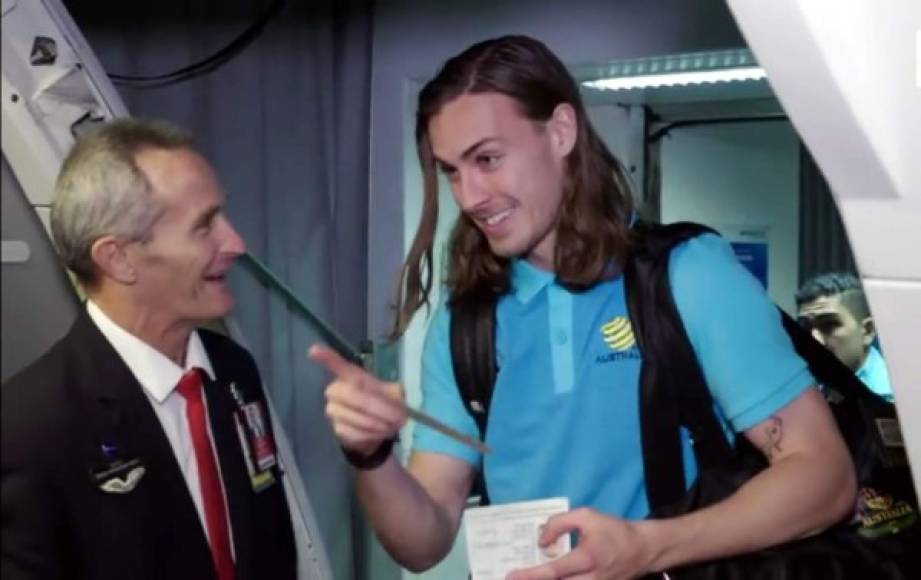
x,y
190,387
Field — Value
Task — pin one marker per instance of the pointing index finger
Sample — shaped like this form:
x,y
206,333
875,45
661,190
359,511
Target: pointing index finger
x,y
334,363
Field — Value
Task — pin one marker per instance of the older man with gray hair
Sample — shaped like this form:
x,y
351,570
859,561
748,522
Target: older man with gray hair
x,y
139,446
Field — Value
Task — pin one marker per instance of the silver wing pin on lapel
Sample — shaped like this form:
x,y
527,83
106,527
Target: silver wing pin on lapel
x,y
124,484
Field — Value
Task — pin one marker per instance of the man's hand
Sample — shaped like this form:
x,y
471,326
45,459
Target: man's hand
x,y
609,549
414,513
363,410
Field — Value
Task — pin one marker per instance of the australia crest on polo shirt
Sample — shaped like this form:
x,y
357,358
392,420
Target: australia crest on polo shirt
x,y
619,341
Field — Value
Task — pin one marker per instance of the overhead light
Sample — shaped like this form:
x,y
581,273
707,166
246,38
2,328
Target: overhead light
x,y
681,69
683,78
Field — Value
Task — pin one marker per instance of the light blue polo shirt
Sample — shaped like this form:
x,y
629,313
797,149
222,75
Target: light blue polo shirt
x,y
564,418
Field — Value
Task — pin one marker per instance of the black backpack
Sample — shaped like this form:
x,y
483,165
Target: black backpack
x,y
881,543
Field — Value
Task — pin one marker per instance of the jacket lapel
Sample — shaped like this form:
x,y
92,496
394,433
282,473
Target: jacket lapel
x,y
122,417
261,520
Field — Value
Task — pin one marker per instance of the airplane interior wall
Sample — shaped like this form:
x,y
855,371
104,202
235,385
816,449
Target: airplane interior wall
x,y
740,174
39,303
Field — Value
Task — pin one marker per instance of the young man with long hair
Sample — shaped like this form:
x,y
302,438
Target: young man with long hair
x,y
545,228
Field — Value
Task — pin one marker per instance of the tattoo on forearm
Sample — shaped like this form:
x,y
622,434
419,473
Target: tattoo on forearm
x,y
774,433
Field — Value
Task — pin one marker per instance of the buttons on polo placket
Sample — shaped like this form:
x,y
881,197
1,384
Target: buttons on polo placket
x,y
560,323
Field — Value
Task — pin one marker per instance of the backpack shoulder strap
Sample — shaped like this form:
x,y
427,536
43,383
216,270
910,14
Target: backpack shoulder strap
x,y
673,391
473,355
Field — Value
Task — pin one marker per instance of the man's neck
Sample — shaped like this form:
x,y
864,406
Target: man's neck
x,y
863,359
543,255
170,339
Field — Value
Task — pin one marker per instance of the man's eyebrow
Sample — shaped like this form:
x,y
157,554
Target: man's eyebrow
x,y
206,217
473,148
826,316
467,152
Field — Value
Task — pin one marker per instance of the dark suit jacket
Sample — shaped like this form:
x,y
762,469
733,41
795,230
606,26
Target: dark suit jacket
x,y
58,523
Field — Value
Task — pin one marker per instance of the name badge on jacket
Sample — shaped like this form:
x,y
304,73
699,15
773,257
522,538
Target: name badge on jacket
x,y
255,440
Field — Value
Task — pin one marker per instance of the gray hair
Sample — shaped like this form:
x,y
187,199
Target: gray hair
x,y
101,190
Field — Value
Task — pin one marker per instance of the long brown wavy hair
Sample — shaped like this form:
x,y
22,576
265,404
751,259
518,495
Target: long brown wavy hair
x,y
592,228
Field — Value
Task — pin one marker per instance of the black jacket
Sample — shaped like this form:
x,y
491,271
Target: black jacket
x,y
57,523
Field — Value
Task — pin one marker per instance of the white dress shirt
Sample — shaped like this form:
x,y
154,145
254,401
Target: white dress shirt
x,y
159,376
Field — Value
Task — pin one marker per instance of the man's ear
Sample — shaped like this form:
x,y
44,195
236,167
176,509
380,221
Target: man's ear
x,y
564,129
109,255
868,330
